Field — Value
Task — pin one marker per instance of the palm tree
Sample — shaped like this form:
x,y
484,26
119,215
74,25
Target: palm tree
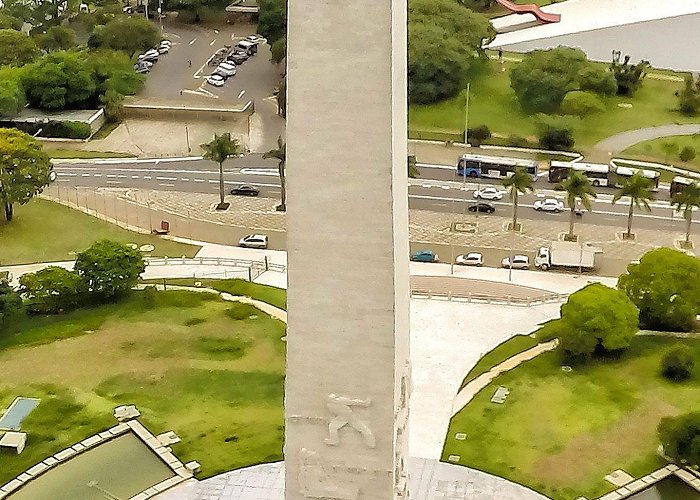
x,y
519,182
638,189
685,201
281,155
577,187
219,149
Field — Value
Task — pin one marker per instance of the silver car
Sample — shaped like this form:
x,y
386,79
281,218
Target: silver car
x,y
253,241
516,262
470,259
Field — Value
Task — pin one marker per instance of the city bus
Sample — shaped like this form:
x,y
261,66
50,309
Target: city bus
x,y
596,172
679,183
622,173
494,166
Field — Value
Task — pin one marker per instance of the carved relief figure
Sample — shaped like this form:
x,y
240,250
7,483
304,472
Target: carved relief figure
x,y
341,409
316,482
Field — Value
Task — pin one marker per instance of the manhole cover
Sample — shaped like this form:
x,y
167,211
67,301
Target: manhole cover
x,y
463,227
147,247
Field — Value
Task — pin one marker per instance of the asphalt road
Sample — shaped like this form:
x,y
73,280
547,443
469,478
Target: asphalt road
x,y
436,190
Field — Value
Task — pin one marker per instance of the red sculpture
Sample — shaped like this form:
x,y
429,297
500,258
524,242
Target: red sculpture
x,y
530,8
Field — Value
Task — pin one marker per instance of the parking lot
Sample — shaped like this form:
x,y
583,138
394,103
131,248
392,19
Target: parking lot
x,y
180,76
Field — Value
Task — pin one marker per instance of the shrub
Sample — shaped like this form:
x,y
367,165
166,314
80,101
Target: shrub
x,y
517,142
109,269
680,437
556,139
150,296
478,135
598,80
677,364
689,97
52,290
10,303
687,154
581,104
240,311
66,130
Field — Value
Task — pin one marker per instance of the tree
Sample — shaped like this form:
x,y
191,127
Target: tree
x,y
598,80
16,48
24,169
272,19
10,303
282,98
577,187
130,34
280,154
52,290
60,80
11,91
596,319
556,139
544,77
113,103
689,97
687,154
581,104
518,183
413,170
685,201
57,38
109,269
218,150
638,189
677,364
665,286
445,40
9,22
680,437
278,50
670,148
628,76
477,135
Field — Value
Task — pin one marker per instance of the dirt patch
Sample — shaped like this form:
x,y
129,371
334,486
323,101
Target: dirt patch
x,y
589,452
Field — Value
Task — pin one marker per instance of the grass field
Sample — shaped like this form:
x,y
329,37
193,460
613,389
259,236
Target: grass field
x,y
653,151
44,231
188,367
493,103
561,433
72,153
500,353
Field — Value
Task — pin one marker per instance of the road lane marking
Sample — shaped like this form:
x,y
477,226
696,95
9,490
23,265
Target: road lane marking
x,y
97,175
185,179
114,182
192,41
134,176
166,185
241,94
110,175
147,177
166,178
199,180
259,171
86,175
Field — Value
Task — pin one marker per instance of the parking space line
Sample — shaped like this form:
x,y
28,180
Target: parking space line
x,y
241,94
199,180
192,41
212,42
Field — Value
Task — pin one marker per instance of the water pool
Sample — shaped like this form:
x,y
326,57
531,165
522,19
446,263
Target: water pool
x,y
670,488
18,410
119,468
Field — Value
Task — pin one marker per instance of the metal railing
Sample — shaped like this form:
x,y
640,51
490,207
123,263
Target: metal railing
x,y
254,267
488,298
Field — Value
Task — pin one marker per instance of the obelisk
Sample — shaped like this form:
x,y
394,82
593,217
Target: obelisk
x,y
348,375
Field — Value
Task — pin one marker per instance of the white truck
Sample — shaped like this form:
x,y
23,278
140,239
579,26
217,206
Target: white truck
x,y
566,254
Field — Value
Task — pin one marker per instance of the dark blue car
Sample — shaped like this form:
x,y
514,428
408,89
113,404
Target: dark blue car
x,y
424,256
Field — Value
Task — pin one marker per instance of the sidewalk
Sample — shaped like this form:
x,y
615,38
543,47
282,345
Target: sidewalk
x,y
192,216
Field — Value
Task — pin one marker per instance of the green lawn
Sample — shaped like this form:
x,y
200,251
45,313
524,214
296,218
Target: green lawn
x,y
500,353
188,367
44,231
493,103
653,151
265,293
561,433
72,153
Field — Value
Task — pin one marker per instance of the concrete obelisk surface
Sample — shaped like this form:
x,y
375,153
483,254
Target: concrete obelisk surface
x,y
348,377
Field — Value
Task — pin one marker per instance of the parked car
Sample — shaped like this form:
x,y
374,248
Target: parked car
x,y
518,262
488,193
225,69
141,67
549,205
424,256
255,38
166,42
484,208
150,55
163,49
245,191
470,259
250,47
253,241
237,58
216,80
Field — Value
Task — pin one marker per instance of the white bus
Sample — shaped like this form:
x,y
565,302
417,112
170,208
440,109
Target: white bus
x,y
596,172
494,166
622,173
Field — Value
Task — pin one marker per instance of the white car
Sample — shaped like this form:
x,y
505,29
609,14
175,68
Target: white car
x,y
255,38
470,259
549,205
226,69
166,42
253,241
518,262
216,80
488,193
163,49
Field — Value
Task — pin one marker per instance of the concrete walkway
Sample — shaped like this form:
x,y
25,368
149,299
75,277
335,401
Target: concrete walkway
x,y
619,142
472,388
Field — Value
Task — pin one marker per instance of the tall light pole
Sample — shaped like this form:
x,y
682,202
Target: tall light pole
x,y
466,117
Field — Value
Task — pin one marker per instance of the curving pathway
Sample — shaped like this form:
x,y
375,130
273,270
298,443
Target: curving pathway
x,y
619,142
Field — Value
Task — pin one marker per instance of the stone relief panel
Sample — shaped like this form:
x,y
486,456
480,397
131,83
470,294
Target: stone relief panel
x,y
316,479
343,415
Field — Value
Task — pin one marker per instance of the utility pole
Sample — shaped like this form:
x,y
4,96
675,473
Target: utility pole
x,y
466,117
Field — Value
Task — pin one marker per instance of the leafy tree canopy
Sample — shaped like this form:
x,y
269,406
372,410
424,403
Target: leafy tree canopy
x,y
109,269
11,91
596,318
57,38
24,169
665,286
680,437
10,303
272,19
60,80
130,34
52,290
16,48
